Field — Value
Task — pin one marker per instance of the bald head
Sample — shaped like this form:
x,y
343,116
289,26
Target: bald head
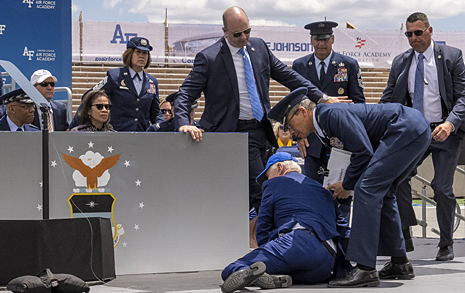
x,y
234,13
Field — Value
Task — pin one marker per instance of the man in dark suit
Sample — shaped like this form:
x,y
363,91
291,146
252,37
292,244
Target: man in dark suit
x,y
45,83
20,112
297,231
234,75
431,78
386,141
335,75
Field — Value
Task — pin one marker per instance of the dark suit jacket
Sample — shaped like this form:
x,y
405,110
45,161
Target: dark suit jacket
x,y
5,127
130,111
60,117
351,85
214,74
365,127
451,78
295,198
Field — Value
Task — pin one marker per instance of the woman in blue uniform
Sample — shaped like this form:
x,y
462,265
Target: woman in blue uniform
x,y
133,92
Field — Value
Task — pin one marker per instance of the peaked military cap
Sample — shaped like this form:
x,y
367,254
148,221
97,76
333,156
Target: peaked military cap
x,y
280,110
321,30
139,43
16,96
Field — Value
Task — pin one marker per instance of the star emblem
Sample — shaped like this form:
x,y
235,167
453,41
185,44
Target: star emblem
x,y
136,227
54,164
39,207
70,149
92,204
126,163
110,149
91,145
141,205
138,182
125,244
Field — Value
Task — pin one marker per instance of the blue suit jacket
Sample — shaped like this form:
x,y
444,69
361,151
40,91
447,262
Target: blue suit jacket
x,y
130,111
5,127
451,78
295,198
350,85
60,117
365,127
214,74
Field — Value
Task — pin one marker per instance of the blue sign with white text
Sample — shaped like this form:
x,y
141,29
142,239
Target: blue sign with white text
x,y
36,34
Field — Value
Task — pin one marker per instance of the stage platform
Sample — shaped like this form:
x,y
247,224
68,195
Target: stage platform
x,y
431,276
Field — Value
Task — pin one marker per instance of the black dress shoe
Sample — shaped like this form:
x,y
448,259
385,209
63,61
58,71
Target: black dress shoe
x,y
445,253
409,245
395,271
243,278
267,281
357,278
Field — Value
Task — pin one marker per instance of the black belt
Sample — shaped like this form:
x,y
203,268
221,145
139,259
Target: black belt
x,y
325,244
244,122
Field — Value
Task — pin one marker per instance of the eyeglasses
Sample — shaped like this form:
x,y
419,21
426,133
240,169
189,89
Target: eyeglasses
x,y
246,32
45,84
417,33
166,110
282,127
287,121
100,106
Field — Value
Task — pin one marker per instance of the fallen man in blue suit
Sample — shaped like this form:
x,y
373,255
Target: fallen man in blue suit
x,y
297,232
386,142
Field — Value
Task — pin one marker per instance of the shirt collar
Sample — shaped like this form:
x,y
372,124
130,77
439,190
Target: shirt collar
x,y
233,49
132,72
13,127
315,124
327,60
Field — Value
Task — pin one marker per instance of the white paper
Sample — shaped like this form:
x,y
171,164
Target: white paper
x,y
338,162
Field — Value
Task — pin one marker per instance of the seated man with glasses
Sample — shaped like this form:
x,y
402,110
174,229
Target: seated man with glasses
x,y
430,77
44,82
20,112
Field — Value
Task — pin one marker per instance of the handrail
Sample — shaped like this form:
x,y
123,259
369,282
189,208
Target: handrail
x,y
69,104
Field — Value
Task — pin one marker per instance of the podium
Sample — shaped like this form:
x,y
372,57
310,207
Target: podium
x,y
80,247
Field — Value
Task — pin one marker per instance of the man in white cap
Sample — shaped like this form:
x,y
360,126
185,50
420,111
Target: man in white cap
x,y
45,82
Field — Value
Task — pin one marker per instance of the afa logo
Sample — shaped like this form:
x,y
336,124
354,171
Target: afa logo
x,y
123,39
30,2
28,53
360,43
90,198
2,28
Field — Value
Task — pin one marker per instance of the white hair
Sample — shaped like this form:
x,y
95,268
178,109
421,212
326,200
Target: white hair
x,y
289,166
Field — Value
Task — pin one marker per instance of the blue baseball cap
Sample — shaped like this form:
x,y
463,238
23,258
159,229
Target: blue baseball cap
x,y
276,158
139,43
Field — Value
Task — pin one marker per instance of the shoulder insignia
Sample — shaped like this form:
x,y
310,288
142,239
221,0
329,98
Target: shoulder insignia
x,y
101,84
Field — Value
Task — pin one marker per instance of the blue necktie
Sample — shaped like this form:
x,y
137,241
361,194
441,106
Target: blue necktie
x,y
417,102
253,94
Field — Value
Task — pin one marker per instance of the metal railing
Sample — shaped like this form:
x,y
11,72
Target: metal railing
x,y
424,200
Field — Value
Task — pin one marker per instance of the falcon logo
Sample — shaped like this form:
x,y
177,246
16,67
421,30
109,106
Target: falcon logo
x,y
30,2
91,169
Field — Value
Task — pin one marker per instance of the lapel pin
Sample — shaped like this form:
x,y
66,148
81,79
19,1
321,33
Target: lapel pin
x,y
310,63
439,57
253,49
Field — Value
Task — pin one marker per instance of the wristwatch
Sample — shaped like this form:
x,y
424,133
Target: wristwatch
x,y
323,99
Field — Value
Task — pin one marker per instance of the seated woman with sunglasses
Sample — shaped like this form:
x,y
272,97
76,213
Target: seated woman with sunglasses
x,y
95,112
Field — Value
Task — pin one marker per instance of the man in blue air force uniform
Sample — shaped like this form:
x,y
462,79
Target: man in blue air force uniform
x,y
20,112
386,141
335,75
298,231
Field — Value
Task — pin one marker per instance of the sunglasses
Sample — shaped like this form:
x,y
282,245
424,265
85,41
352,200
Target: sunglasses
x,y
45,84
246,32
166,110
417,33
100,106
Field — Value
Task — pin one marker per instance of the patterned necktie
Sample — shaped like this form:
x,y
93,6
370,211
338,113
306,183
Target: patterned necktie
x,y
252,89
417,102
322,71
49,122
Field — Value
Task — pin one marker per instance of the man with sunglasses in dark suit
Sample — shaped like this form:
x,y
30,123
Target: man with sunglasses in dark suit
x,y
431,78
234,75
45,82
335,75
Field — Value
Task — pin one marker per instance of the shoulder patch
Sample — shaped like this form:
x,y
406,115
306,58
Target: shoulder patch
x,y
101,84
359,78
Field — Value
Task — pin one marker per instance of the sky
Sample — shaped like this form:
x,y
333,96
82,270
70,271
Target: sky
x,y
444,15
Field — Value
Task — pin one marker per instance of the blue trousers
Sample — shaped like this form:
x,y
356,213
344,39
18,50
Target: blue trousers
x,y
298,254
376,227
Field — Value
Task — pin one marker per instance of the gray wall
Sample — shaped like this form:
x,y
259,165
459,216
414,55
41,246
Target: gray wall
x,y
195,195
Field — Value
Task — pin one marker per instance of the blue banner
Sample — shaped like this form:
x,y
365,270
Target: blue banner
x,y
36,34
